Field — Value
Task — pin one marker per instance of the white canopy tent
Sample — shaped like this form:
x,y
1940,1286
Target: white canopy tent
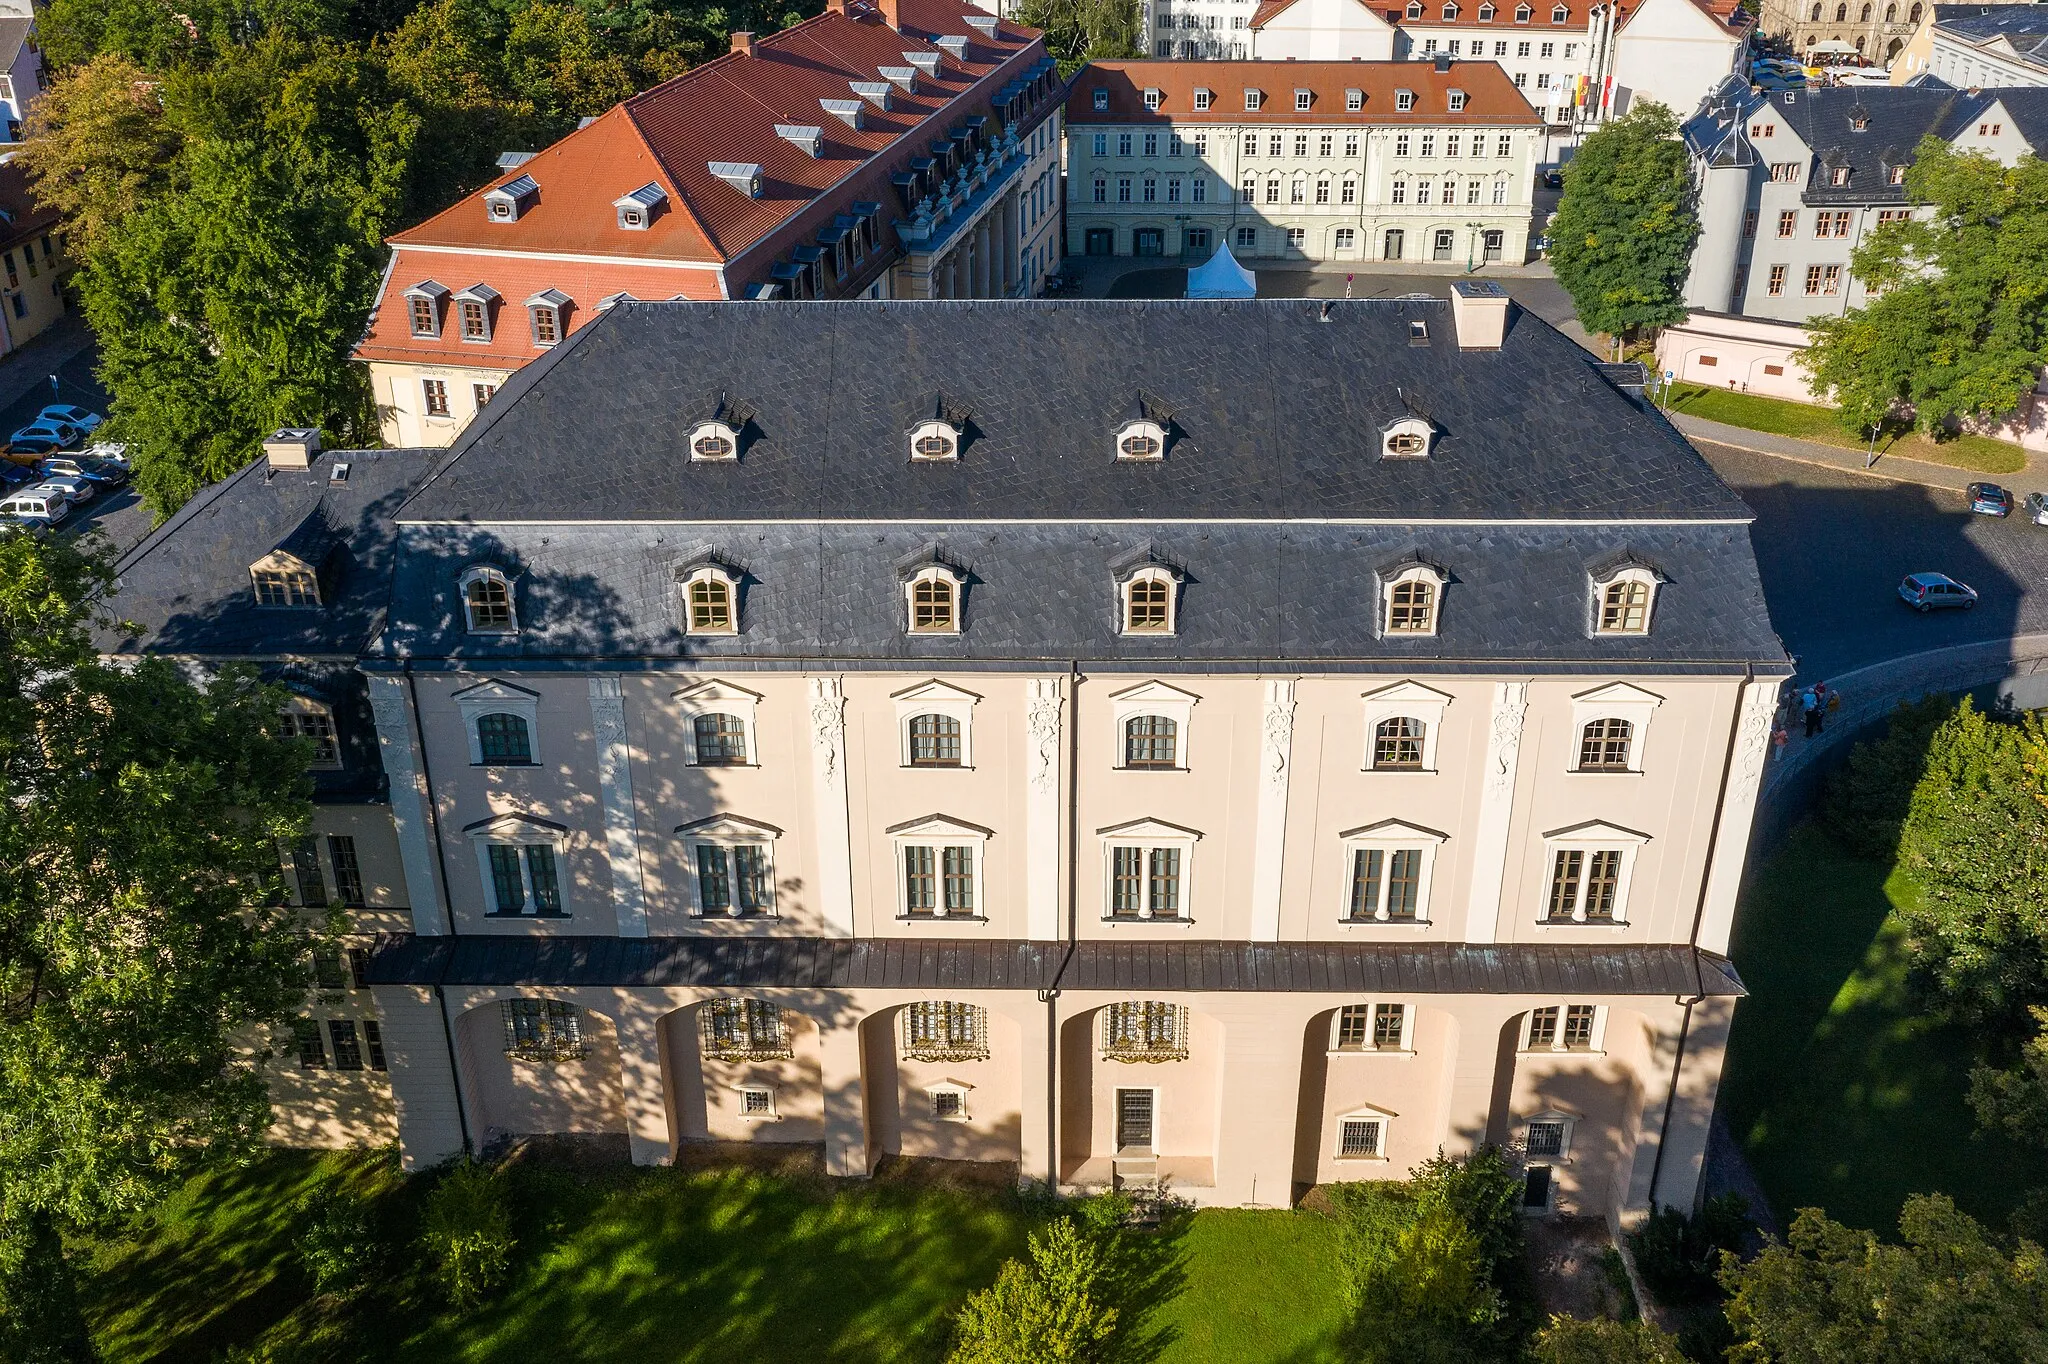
x,y
1222,277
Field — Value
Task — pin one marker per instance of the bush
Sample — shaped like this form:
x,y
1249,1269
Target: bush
x,y
1867,800
1679,1256
468,1233
1047,1313
1567,1340
337,1244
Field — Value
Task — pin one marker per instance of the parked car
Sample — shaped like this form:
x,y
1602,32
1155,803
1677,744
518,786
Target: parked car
x,y
30,451
79,490
2037,508
14,476
36,507
84,419
1553,179
1988,499
109,452
64,433
1931,591
85,467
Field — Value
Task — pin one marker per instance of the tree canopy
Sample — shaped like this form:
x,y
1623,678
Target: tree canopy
x,y
141,813
1078,31
1956,324
1622,237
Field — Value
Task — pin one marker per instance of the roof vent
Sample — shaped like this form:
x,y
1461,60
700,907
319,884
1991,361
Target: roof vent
x,y
847,111
638,209
927,62
338,475
903,77
514,160
744,176
985,24
505,203
292,448
953,45
874,92
809,138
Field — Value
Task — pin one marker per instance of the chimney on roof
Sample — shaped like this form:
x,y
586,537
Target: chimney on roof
x,y
292,448
892,13
743,43
836,6
1479,314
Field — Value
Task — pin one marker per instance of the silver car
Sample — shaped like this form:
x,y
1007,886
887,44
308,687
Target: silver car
x,y
1932,591
74,489
2035,508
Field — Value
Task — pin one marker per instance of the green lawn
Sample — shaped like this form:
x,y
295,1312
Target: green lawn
x,y
1807,422
1845,1096
685,1267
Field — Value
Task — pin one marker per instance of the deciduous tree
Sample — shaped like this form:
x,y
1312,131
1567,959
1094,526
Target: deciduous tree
x,y
1622,237
1078,31
1956,325
1568,1340
100,148
1049,1312
141,814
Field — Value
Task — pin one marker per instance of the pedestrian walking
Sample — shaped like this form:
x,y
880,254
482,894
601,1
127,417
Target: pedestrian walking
x,y
1809,706
1821,696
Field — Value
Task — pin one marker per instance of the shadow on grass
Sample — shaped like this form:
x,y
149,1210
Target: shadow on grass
x,y
1842,1090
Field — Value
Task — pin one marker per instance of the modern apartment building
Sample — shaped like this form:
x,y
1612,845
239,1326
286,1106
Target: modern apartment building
x,y
1319,161
883,149
1977,46
1791,182
1046,742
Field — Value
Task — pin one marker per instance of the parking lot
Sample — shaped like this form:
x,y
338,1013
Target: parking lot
x,y
26,388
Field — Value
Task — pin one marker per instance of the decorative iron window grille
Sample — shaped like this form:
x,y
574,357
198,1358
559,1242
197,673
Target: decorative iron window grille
x,y
743,1030
943,1030
1145,1030
543,1030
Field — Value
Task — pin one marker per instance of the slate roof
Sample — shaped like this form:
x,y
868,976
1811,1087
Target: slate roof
x,y
2024,27
187,585
1898,117
839,963
14,31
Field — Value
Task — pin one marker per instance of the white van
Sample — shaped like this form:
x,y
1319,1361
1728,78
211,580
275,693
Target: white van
x,y
37,506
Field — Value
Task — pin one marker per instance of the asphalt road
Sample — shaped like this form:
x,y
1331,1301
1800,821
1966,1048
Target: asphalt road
x,y
1832,547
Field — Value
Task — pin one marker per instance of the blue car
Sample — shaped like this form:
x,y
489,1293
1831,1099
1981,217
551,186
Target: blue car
x,y
1988,499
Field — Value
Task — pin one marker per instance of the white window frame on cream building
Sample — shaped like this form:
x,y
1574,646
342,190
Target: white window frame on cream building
x,y
767,1091
1404,700
521,832
940,832
1568,1121
1148,835
714,696
715,430
1407,573
954,1087
1405,1047
934,697
933,573
710,573
492,697
1152,698
1365,1113
1387,837
1628,573
1595,1046
1595,835
477,573
726,833
1615,701
1150,573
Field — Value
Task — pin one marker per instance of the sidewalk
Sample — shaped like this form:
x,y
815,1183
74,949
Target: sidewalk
x,y
28,368
1892,468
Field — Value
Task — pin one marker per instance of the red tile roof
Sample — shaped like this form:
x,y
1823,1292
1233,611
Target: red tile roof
x,y
1490,97
26,219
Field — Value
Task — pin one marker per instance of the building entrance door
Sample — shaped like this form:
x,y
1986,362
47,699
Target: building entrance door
x,y
1101,241
1148,241
1492,242
1442,244
1395,240
1196,243
1134,1119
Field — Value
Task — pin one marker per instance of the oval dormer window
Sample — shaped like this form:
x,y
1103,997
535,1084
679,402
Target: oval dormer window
x,y
714,441
1407,443
934,440
934,446
1139,447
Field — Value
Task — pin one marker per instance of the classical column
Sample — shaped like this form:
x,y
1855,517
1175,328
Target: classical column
x,y
1496,810
1276,747
615,787
401,754
639,1033
1759,701
956,281
1042,811
981,260
828,792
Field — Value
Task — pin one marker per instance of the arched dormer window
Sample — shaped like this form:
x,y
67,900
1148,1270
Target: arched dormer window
x,y
1411,597
714,441
281,579
1141,440
487,601
1406,438
304,718
1624,596
935,439
932,601
1149,602
711,601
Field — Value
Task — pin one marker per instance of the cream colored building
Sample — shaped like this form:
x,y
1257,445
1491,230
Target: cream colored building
x,y
1318,161
1170,783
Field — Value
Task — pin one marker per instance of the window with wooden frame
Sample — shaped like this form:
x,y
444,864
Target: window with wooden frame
x,y
487,601
739,1029
1148,599
542,1030
939,869
306,719
711,601
1409,601
1387,871
1145,1030
1604,745
1151,742
944,1030
278,585
1626,602
733,861
1148,867
933,601
1379,1026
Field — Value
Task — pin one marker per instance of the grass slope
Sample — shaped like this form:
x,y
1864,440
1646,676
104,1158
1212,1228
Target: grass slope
x,y
1260,1286
1804,421
1846,1095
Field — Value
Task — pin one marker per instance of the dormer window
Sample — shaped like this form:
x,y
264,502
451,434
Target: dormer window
x,y
1101,101
1410,597
1560,15
1202,97
1253,99
1839,176
1486,13
423,307
475,304
1450,12
544,314
1895,175
1141,439
1148,601
302,718
1624,599
1457,101
487,601
745,176
281,580
638,210
1152,99
1523,14
1404,101
1354,100
1304,100
712,441
1407,438
1414,9
932,596
711,600
505,203
934,440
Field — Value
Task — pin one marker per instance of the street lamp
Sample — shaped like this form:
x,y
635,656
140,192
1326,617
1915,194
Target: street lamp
x,y
1472,231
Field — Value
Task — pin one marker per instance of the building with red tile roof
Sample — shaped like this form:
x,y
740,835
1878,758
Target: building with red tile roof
x,y
882,149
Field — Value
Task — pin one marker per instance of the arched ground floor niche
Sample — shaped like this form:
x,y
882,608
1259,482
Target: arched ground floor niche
x,y
943,1080
1374,1079
1569,1098
1141,1102
540,1067
742,1069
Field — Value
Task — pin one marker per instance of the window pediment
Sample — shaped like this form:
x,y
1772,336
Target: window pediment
x,y
937,826
713,695
514,826
1393,829
1149,830
1595,831
734,828
493,692
1408,693
1618,693
1154,693
934,691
